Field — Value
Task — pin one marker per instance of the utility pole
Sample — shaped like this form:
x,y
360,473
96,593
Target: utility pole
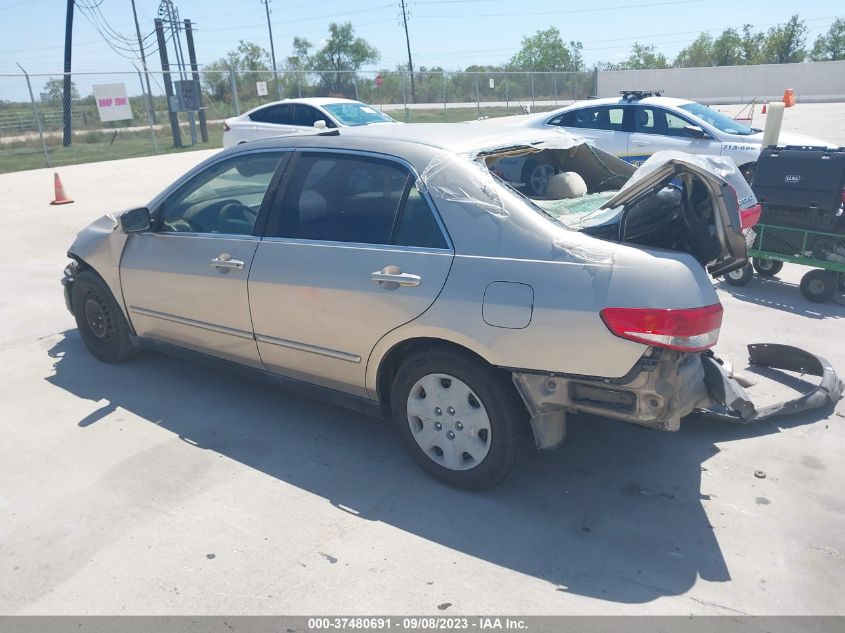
x,y
168,86
266,4
173,19
195,75
149,95
67,92
408,43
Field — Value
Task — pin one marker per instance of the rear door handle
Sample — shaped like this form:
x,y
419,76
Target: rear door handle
x,y
225,262
394,279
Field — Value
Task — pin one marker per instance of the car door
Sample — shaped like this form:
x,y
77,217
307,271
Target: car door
x,y
604,125
711,209
352,251
272,120
305,116
185,281
656,129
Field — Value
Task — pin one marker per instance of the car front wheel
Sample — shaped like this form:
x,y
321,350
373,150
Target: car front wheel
x,y
536,176
101,323
461,420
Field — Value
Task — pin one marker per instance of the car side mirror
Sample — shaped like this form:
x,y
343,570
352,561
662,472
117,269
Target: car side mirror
x,y
135,220
695,131
320,124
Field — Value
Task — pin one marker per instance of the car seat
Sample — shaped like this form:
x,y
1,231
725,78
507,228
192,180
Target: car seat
x,y
566,184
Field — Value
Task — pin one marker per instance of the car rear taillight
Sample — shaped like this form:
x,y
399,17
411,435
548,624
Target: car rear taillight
x,y
687,330
226,127
750,216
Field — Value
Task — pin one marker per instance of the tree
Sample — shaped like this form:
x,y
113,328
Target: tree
x,y
643,57
830,46
54,91
251,63
784,43
727,49
696,55
337,61
750,48
546,51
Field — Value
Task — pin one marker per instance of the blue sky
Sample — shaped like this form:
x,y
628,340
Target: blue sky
x,y
448,33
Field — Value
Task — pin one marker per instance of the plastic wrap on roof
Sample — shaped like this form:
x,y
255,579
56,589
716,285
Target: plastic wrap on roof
x,y
459,179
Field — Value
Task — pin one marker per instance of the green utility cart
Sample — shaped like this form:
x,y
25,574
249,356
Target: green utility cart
x,y
774,245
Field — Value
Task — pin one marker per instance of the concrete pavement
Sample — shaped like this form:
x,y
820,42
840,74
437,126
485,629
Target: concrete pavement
x,y
167,487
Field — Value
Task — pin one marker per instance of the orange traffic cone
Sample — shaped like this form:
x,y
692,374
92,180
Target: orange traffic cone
x,y
764,109
61,196
788,98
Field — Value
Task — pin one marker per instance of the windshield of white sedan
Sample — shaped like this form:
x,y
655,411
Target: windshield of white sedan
x,y
718,120
356,114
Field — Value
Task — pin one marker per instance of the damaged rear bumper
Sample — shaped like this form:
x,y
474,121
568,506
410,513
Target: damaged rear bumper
x,y
733,404
664,387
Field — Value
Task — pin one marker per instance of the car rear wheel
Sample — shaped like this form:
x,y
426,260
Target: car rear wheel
x,y
767,267
740,276
100,321
461,420
818,285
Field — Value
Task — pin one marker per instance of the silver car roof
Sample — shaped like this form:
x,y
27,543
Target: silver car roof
x,y
418,143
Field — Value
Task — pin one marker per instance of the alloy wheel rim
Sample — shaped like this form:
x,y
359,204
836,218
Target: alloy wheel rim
x,y
540,178
448,422
736,274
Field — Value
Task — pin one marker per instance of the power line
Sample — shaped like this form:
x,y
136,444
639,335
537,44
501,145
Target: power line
x,y
566,11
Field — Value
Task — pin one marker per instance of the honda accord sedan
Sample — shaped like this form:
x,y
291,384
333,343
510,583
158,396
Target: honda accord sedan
x,y
396,274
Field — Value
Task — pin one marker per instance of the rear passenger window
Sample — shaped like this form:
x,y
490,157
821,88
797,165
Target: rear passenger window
x,y
281,114
344,198
416,225
593,118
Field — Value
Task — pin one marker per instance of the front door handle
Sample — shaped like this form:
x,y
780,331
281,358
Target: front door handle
x,y
639,142
392,277
225,262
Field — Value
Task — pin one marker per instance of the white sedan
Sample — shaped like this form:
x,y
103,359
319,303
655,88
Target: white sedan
x,y
633,128
299,115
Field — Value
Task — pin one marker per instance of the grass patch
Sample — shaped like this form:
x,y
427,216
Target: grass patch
x,y
91,146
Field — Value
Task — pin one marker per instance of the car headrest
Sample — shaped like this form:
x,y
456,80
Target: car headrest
x,y
567,184
312,206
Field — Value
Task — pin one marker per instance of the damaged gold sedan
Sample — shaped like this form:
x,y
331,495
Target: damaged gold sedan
x,y
391,271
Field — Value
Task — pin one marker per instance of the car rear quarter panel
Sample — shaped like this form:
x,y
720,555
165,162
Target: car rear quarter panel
x,y
565,333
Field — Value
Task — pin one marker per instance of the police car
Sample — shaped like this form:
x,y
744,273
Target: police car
x,y
637,124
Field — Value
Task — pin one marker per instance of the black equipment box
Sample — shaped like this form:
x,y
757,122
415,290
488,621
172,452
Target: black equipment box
x,y
801,187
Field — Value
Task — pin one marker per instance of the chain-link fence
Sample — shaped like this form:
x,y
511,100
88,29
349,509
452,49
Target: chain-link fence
x,y
33,132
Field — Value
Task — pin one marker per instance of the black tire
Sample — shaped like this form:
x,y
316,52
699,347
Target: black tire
x,y
509,429
100,321
767,267
818,285
740,277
